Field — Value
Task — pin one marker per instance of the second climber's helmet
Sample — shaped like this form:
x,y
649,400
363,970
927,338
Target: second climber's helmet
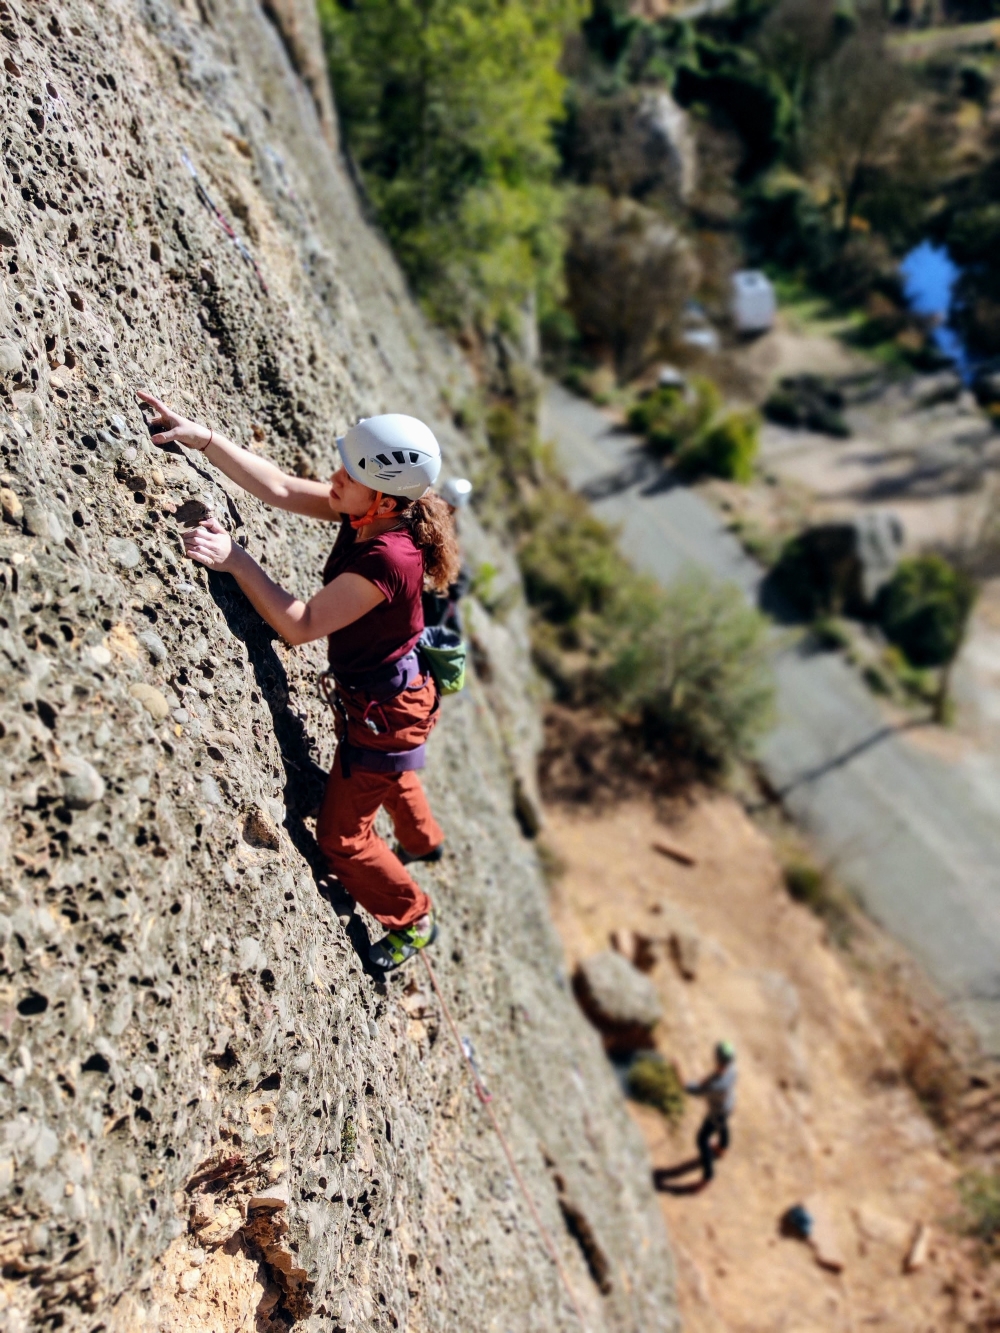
x,y
393,453
456,492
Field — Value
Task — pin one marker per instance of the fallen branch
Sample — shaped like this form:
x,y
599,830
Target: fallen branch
x,y
675,853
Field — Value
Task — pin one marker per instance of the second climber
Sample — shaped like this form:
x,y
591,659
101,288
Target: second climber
x,y
395,534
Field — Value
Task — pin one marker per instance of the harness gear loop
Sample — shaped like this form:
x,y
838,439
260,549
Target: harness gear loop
x,y
486,1099
371,515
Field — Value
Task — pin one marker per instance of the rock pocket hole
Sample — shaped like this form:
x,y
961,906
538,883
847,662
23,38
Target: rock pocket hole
x,y
95,1064
33,1003
269,1084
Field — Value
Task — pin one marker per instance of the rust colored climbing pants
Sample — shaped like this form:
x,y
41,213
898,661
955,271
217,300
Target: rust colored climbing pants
x,y
368,870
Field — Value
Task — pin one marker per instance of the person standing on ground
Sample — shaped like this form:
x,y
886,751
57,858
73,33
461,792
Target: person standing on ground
x,y
719,1090
441,608
394,534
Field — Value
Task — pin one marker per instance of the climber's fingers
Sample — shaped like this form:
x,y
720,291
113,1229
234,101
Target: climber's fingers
x,y
165,436
163,413
208,543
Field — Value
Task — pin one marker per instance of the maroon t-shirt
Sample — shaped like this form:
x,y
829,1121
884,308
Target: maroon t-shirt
x,y
395,564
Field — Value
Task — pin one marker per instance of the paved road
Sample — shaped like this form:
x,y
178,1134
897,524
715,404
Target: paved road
x,y
916,836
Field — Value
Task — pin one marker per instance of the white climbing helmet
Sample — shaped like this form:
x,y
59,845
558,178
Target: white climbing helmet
x,y
456,492
393,453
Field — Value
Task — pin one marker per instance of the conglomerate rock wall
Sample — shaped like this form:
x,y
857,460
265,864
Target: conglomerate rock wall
x,y
213,1116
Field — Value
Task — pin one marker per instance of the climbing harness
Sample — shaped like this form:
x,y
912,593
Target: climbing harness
x,y
486,1099
223,221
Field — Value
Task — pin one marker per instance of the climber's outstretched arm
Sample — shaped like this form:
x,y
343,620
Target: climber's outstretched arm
x,y
340,603
259,476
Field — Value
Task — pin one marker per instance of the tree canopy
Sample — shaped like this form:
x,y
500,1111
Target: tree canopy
x,y
448,107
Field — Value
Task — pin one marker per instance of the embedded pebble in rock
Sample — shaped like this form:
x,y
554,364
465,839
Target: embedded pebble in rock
x,y
153,645
82,784
151,699
123,552
37,519
13,510
10,358
192,1016
259,829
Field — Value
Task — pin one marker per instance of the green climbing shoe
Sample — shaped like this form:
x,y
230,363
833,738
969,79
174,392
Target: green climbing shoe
x,y
400,945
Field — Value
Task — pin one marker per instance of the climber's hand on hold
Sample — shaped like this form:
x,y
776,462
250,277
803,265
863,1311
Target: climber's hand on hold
x,y
210,545
175,427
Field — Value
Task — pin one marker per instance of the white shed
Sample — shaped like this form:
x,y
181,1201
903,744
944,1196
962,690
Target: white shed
x,y
753,305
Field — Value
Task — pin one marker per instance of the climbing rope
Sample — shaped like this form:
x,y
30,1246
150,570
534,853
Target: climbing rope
x,y
486,1098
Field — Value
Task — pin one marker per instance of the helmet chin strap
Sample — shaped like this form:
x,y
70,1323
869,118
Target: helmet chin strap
x,y
371,515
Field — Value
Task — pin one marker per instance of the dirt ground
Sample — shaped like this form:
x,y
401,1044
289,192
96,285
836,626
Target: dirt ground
x,y
823,1114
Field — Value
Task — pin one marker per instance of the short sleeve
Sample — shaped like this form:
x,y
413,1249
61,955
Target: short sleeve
x,y
379,568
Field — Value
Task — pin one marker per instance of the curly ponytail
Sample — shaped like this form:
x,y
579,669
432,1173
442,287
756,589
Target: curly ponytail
x,y
431,526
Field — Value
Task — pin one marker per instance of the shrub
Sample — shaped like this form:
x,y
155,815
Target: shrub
x,y
727,449
569,559
697,671
811,401
812,887
672,416
655,1082
924,609
980,1194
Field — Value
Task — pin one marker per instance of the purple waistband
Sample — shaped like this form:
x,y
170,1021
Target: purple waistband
x,y
385,761
386,682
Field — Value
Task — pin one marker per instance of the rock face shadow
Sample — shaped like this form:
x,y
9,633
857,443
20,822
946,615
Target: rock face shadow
x,y
305,780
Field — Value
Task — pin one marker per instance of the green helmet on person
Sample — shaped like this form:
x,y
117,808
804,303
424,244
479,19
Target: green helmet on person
x,y
725,1052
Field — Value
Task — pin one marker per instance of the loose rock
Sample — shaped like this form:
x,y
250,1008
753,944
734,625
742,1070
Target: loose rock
x,y
621,1003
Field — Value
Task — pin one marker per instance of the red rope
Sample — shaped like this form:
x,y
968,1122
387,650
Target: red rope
x,y
486,1098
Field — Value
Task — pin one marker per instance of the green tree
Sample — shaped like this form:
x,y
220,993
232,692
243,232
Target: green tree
x,y
699,671
447,107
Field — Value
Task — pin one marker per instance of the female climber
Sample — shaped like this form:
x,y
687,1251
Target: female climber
x,y
395,534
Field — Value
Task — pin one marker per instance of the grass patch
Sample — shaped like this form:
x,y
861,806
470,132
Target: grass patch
x,y
655,1082
980,1195
811,886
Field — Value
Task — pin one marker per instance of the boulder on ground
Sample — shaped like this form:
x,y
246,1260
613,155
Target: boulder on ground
x,y
837,568
621,1003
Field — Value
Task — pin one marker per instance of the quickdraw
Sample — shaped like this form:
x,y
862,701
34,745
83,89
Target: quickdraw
x,y
223,221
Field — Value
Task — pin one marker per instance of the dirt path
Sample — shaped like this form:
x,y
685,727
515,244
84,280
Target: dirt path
x,y
822,1112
